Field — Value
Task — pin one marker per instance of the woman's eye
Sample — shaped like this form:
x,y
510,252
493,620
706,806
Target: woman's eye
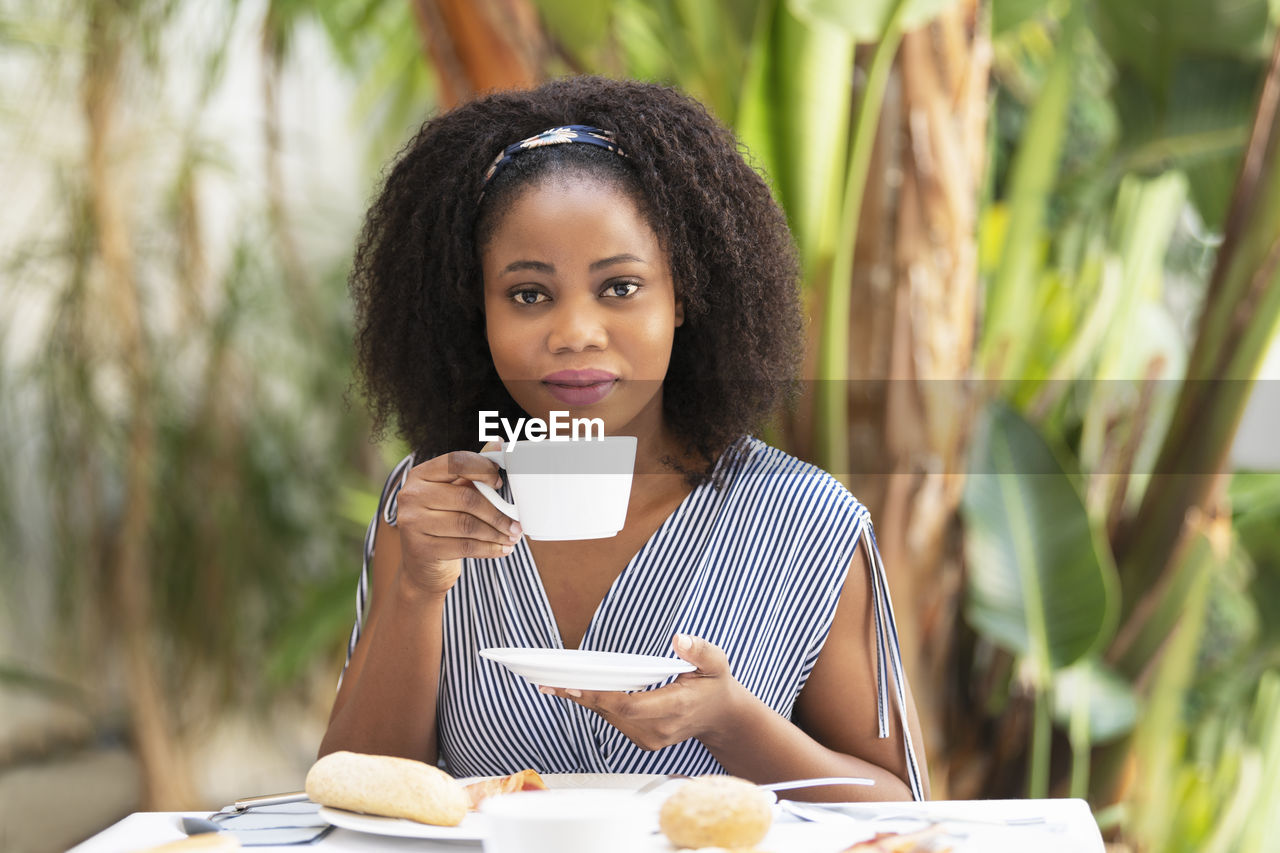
x,y
620,288
528,297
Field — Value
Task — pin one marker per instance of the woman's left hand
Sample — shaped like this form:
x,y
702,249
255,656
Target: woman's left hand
x,y
697,704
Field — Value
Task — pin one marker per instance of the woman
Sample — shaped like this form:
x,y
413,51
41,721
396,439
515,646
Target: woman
x,y
601,247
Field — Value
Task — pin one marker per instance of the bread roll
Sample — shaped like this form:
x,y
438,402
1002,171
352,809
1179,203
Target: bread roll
x,y
716,811
387,786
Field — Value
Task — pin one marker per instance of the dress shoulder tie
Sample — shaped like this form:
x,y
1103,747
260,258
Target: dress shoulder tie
x,y
889,657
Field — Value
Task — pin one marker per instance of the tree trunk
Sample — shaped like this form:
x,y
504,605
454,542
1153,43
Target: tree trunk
x,y
915,312
166,782
481,45
1241,309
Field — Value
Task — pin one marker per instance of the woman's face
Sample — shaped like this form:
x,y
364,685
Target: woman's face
x,y
580,308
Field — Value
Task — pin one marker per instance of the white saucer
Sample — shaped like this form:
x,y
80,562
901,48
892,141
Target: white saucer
x,y
587,670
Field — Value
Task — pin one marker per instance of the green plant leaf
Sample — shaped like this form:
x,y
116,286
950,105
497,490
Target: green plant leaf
x,y
794,118
1255,492
358,505
1113,707
1007,14
866,20
1200,126
1041,583
1151,36
1033,175
1255,498
1161,734
314,626
580,27
1259,832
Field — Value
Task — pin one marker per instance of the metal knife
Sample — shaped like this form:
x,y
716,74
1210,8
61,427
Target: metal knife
x,y
264,800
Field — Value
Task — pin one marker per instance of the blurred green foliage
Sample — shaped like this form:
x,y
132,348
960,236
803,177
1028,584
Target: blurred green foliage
x,y
253,438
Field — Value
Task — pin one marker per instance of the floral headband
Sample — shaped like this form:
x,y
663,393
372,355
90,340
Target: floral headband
x,y
554,136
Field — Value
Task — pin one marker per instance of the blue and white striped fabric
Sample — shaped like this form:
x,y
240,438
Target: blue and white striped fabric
x,y
756,567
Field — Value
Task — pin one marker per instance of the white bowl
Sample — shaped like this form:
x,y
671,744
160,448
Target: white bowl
x,y
566,821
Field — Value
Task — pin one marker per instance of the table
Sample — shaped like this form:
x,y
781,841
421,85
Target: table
x,y
1068,827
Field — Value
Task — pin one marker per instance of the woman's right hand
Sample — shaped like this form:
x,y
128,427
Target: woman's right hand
x,y
442,518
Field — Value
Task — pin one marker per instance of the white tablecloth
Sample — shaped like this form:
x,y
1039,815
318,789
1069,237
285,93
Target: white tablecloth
x,y
1068,827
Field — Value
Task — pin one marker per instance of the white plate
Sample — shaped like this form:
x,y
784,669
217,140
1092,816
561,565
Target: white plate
x,y
587,670
473,827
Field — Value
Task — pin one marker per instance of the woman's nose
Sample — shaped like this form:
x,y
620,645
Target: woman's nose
x,y
576,325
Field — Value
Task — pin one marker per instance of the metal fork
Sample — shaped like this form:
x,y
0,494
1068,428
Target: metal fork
x,y
768,786
816,783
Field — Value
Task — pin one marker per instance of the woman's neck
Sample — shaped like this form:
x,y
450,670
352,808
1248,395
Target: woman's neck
x,y
655,441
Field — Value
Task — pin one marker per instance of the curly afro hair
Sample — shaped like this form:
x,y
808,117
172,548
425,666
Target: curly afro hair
x,y
420,341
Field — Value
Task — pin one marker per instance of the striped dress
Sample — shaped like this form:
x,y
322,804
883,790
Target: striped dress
x,y
755,566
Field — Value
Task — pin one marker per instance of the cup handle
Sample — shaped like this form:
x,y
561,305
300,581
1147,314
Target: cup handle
x,y
490,494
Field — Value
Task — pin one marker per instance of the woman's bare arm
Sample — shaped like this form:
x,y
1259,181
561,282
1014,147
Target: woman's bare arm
x,y
387,702
837,706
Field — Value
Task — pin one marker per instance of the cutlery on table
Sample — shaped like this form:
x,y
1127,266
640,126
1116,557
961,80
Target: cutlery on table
x,y
199,826
772,787
816,783
983,821
264,800
802,811
264,827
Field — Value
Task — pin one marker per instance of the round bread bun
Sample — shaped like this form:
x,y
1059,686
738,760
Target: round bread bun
x,y
387,786
716,811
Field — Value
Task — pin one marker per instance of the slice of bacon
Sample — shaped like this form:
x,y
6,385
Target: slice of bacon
x,y
525,780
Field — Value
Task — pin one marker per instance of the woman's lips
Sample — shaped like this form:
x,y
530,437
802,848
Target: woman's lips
x,y
579,387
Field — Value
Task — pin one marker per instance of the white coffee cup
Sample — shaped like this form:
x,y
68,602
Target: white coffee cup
x,y
566,489
566,821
